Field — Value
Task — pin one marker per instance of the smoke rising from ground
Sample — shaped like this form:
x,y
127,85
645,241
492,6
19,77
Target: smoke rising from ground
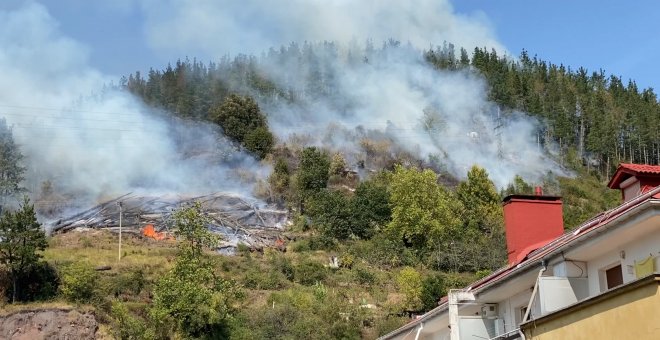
x,y
107,143
394,100
391,93
95,142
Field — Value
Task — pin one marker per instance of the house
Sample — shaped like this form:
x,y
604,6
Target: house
x,y
597,281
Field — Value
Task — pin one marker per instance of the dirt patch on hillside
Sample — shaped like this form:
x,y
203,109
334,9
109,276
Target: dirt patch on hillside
x,y
48,324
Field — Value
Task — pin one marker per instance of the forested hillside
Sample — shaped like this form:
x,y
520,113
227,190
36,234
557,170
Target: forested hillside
x,y
381,227
598,118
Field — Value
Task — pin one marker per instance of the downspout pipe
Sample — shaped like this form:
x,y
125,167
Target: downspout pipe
x,y
536,287
419,330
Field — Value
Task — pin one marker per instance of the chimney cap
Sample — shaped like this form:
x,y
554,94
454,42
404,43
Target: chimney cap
x,y
507,199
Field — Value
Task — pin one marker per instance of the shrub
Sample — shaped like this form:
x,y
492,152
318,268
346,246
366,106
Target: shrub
x,y
433,288
346,261
309,272
322,242
284,266
78,282
131,282
38,283
259,141
243,250
300,246
410,284
365,276
257,279
124,325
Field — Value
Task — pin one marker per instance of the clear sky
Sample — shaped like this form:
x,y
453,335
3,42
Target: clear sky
x,y
622,37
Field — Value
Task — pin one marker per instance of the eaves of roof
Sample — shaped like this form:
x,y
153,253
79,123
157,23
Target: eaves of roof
x,y
626,170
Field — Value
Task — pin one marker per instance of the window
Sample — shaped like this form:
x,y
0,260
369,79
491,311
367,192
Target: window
x,y
520,314
523,311
614,277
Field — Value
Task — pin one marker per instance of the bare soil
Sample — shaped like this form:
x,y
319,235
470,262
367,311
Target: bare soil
x,y
54,323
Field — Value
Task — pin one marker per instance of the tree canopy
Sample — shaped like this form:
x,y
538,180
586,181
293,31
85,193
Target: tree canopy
x,y
11,170
191,300
243,122
423,212
21,241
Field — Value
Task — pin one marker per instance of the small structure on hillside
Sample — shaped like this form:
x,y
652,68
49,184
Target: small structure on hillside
x,y
234,218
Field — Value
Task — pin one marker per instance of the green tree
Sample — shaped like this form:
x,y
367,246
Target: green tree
x,y
372,202
433,288
11,171
313,173
342,217
21,240
423,212
259,142
481,202
191,300
410,284
332,214
518,186
243,122
337,164
279,180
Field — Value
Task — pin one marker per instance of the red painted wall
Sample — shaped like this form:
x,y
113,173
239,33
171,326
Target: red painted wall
x,y
530,223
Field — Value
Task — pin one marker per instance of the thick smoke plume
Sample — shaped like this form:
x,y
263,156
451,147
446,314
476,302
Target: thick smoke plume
x,y
106,143
92,142
393,100
390,94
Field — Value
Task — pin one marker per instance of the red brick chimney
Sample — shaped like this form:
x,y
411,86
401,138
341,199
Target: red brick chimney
x,y
635,179
531,221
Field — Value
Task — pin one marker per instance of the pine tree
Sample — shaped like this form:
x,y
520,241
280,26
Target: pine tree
x,y
11,170
21,238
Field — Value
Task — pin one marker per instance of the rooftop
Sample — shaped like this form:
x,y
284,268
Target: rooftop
x,y
626,170
534,258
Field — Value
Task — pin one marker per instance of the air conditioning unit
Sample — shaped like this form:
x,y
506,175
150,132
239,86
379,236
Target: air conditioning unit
x,y
489,310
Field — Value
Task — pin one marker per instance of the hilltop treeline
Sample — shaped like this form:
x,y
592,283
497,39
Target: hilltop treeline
x,y
596,118
599,117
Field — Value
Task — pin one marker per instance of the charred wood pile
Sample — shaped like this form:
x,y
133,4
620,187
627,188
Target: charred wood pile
x,y
235,219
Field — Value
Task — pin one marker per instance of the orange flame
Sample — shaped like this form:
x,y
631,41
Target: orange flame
x,y
150,231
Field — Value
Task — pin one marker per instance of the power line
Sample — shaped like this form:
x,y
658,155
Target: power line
x,y
70,118
65,110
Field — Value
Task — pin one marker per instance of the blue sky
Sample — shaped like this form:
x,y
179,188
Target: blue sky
x,y
620,37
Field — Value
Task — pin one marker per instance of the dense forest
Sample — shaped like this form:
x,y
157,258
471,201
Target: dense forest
x,y
596,117
372,241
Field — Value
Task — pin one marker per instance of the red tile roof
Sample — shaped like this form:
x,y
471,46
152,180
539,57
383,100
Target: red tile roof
x,y
625,170
641,168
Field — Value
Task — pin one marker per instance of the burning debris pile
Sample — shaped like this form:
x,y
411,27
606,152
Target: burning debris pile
x,y
237,220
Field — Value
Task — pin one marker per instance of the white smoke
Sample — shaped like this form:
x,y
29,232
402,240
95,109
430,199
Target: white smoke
x,y
442,117
252,26
101,144
109,144
432,114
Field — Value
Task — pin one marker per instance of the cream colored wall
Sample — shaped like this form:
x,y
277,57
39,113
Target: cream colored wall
x,y
631,315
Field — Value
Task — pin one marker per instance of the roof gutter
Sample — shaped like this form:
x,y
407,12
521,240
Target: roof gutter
x,y
617,214
607,219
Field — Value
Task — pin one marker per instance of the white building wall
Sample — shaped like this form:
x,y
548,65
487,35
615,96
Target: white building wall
x,y
626,255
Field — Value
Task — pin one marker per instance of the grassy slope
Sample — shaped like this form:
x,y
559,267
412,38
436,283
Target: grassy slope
x,y
255,272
